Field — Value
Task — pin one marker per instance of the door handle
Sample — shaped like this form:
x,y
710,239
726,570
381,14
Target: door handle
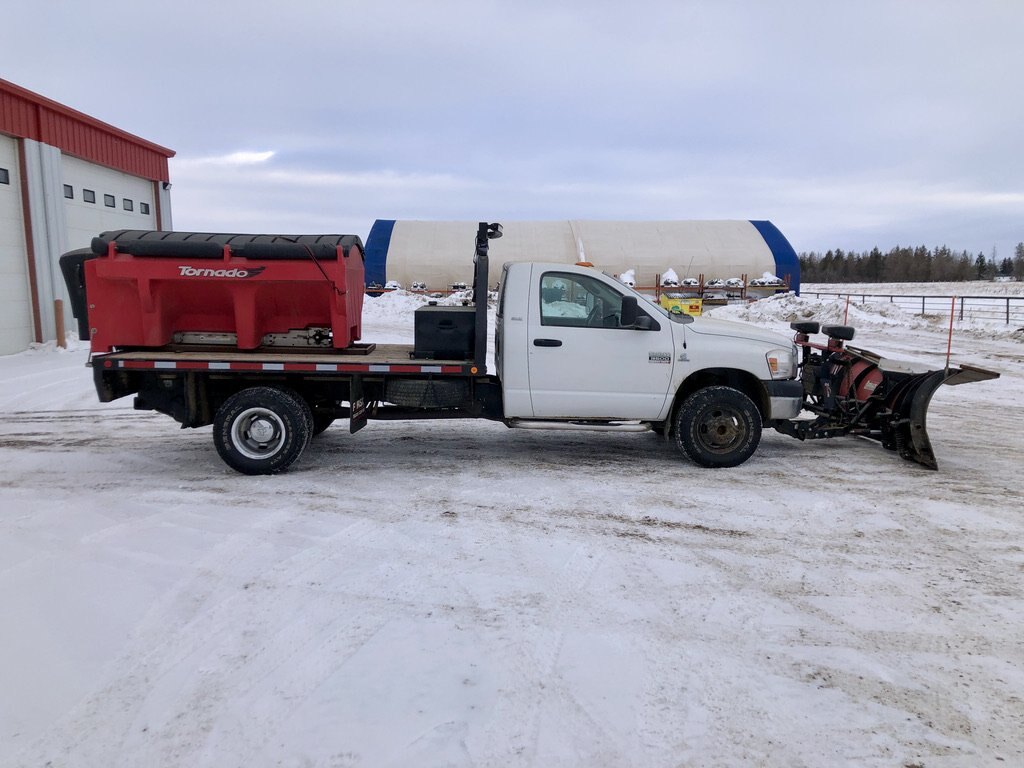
x,y
547,343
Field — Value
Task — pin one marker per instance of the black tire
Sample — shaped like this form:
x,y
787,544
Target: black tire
x,y
718,427
262,430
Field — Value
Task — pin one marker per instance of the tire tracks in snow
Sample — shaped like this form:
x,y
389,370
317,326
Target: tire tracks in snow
x,y
245,637
532,695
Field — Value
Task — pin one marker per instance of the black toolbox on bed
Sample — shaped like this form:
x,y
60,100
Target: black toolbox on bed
x,y
444,333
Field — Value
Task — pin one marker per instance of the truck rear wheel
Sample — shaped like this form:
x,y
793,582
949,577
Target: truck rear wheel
x,y
718,427
262,430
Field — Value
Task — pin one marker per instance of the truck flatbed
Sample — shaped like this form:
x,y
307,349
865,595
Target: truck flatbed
x,y
382,358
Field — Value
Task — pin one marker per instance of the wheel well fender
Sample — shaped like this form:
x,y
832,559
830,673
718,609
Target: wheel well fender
x,y
744,381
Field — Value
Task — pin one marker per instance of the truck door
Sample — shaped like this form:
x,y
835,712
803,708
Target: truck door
x,y
581,363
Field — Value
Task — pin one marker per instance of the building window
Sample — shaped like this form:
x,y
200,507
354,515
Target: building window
x,y
5,176
89,195
128,204
69,192
144,209
109,201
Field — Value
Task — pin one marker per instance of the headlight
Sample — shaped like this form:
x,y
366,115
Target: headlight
x,y
782,363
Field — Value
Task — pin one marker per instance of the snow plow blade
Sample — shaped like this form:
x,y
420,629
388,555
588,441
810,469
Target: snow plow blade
x,y
855,392
909,403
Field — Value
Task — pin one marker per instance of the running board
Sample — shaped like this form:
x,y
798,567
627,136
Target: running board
x,y
586,426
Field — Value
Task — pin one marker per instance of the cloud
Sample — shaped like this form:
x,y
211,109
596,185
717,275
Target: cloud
x,y
382,180
234,158
845,123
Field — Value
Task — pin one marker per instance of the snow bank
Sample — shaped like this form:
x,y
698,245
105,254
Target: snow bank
x,y
969,288
72,344
785,308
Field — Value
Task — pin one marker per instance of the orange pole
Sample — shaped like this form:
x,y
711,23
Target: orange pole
x,y
58,316
949,342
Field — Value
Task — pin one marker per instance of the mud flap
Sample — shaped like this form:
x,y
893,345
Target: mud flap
x,y
357,413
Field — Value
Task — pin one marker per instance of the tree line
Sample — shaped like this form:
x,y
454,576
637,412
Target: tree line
x,y
902,265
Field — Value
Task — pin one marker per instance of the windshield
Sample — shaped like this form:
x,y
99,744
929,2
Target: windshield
x,y
675,317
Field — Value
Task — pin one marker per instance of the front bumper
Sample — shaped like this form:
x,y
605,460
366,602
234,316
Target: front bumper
x,y
785,399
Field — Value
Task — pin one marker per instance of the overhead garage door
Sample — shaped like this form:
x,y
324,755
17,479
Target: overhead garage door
x,y
15,307
97,199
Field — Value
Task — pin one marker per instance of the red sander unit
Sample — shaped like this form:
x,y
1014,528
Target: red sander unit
x,y
148,289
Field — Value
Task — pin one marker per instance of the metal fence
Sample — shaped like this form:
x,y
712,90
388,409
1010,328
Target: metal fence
x,y
1005,309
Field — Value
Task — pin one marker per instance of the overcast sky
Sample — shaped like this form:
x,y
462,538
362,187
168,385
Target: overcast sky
x,y
847,124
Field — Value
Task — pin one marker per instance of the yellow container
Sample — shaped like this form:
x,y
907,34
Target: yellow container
x,y
687,305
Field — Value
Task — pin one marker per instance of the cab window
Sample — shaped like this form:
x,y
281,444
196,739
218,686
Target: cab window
x,y
578,301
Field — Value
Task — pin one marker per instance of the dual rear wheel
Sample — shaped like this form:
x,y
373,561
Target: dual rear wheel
x,y
262,430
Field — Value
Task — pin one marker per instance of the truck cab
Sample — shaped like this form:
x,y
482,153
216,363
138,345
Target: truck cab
x,y
576,346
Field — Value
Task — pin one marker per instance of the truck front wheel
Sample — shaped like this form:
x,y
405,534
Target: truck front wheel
x,y
718,427
262,430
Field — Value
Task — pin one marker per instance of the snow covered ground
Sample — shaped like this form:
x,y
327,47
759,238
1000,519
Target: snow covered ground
x,y
461,594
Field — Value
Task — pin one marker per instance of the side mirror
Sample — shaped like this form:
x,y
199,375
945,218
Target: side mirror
x,y
630,317
628,313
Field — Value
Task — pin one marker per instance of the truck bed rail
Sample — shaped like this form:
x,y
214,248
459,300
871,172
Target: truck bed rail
x,y
385,358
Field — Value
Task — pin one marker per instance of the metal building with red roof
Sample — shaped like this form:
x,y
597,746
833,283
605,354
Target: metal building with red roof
x,y
64,176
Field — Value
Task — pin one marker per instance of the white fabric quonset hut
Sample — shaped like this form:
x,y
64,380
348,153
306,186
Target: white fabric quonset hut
x,y
440,253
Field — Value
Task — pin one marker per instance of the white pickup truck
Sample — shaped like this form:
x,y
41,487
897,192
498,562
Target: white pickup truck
x,y
574,349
